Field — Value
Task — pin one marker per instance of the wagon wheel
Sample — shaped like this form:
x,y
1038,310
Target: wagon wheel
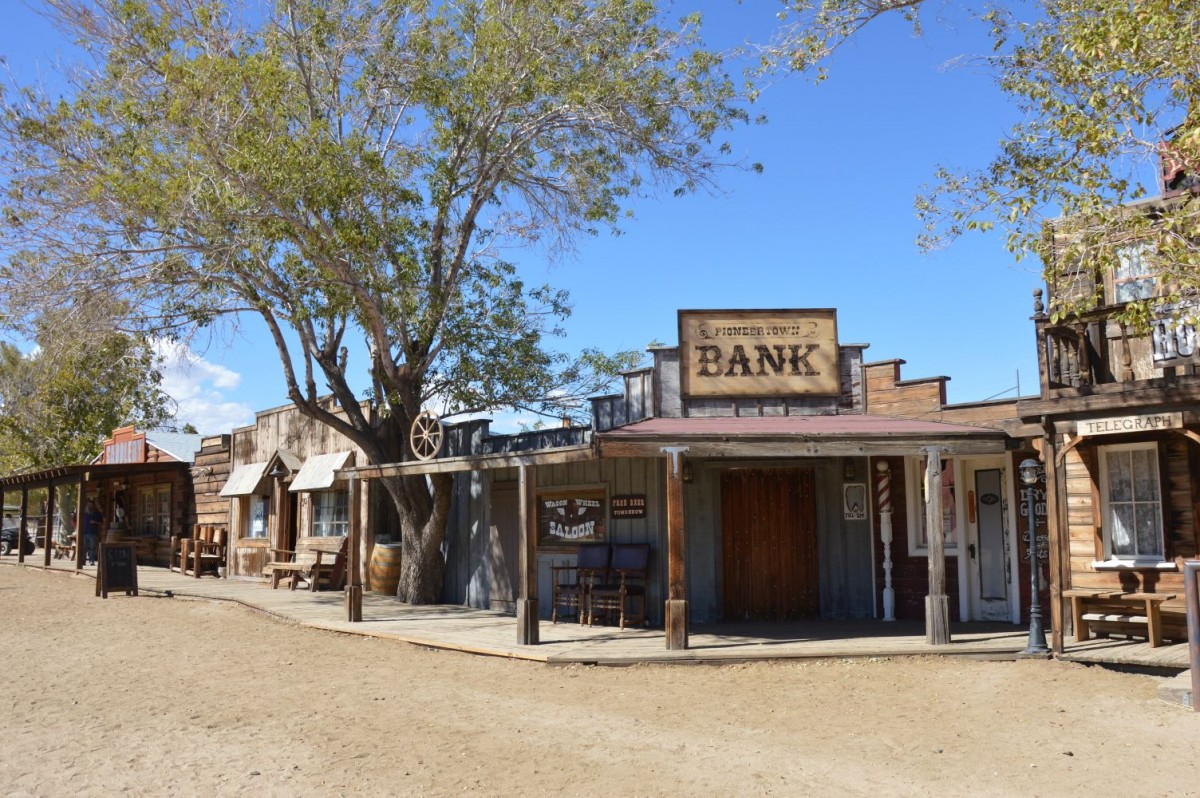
x,y
426,435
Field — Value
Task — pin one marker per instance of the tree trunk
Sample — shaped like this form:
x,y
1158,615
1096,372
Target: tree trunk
x,y
424,508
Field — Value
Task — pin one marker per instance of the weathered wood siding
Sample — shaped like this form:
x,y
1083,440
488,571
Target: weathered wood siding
x,y
474,572
287,428
1179,461
925,399
211,470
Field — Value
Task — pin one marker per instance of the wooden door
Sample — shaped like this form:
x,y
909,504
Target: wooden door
x,y
769,544
504,554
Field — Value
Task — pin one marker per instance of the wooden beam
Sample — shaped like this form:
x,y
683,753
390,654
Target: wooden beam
x,y
937,606
353,554
51,500
79,524
528,630
24,523
482,462
677,606
756,448
1111,396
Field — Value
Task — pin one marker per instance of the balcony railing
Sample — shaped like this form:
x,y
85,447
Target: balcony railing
x,y
1097,348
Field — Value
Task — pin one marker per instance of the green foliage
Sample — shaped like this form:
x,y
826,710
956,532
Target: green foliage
x,y
1104,87
58,404
357,167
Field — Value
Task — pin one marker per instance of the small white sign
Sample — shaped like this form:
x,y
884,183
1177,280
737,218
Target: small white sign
x,y
1120,425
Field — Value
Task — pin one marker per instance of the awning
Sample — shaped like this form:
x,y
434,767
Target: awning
x,y
244,480
318,472
849,435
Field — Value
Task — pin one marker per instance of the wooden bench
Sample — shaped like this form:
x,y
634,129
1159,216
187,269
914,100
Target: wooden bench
x,y
1116,608
327,569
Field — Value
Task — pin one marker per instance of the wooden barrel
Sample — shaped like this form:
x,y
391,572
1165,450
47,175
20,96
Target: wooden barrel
x,y
385,568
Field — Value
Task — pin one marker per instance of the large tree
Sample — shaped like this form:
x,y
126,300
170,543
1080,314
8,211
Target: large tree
x,y
1108,89
359,168
59,401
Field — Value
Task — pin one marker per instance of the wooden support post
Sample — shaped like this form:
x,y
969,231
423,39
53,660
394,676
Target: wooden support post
x,y
79,508
24,524
1055,529
353,555
528,630
937,608
1191,584
676,614
51,503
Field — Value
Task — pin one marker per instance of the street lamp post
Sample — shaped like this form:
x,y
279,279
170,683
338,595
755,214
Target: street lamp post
x,y
1037,633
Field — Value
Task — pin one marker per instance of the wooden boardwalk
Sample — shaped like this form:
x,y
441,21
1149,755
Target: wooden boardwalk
x,y
494,634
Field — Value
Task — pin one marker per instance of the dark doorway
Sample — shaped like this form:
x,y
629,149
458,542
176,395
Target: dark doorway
x,y
769,544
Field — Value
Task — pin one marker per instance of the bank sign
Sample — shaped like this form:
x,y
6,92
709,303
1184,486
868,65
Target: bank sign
x,y
729,353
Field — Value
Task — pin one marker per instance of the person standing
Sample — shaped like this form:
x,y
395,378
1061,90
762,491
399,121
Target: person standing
x,y
93,521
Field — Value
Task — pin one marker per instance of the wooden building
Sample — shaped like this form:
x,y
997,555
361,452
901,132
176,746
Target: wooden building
x,y
140,481
1119,433
773,474
284,491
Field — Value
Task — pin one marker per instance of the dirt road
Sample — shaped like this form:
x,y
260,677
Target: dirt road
x,y
167,697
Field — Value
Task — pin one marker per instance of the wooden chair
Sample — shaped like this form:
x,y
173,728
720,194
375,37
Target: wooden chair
x,y
631,564
181,548
571,583
208,553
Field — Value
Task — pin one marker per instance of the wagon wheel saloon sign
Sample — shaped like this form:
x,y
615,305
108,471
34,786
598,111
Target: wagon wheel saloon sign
x,y
569,517
729,353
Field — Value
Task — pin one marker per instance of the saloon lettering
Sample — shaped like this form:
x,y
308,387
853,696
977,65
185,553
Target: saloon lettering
x,y
709,363
571,516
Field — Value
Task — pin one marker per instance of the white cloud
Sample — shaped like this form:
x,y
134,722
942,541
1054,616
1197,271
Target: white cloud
x,y
199,389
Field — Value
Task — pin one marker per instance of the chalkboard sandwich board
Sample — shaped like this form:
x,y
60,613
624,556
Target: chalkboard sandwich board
x,y
117,570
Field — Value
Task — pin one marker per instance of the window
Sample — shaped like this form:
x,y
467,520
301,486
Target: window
x,y
153,511
1134,277
1131,498
918,542
331,514
258,517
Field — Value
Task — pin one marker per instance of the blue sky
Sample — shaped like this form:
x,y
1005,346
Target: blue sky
x,y
829,223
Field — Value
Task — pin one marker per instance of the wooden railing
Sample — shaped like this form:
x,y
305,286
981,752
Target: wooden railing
x,y
1080,353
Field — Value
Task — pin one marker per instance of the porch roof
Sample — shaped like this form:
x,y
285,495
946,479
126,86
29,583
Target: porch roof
x,y
244,480
319,471
798,436
88,473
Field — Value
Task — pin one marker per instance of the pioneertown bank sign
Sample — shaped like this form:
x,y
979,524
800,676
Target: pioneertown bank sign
x,y
726,353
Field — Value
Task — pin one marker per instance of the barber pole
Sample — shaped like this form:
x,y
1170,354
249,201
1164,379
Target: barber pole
x,y
883,482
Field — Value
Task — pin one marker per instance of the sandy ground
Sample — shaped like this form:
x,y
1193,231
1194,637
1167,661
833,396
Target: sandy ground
x,y
162,697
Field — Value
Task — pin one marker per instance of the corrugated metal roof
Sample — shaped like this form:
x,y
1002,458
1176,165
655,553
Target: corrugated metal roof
x,y
244,480
317,473
182,446
858,426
